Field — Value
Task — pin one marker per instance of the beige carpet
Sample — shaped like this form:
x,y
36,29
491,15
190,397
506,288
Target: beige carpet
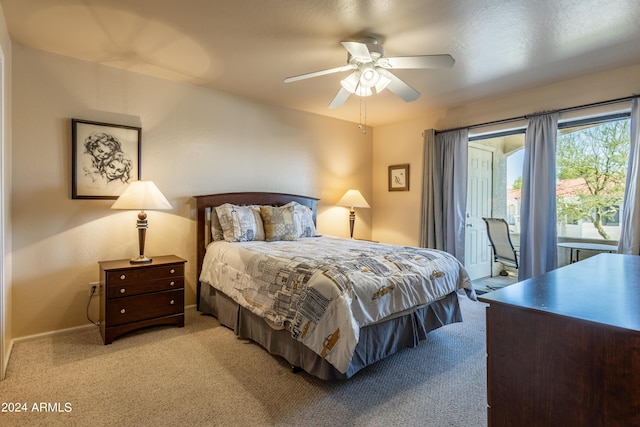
x,y
201,375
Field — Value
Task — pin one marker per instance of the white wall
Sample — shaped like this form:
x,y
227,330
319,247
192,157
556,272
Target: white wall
x,y
194,141
396,215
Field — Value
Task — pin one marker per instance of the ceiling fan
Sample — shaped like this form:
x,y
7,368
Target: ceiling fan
x,y
371,71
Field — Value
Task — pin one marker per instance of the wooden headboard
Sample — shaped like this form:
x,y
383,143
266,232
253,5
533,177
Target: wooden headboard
x,y
204,205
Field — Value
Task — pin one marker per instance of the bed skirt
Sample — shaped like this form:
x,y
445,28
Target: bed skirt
x,y
375,343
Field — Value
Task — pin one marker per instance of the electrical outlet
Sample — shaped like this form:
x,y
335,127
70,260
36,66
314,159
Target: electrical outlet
x,y
93,285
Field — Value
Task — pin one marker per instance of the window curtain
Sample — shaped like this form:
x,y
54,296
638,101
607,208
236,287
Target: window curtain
x,y
427,216
443,224
630,229
538,237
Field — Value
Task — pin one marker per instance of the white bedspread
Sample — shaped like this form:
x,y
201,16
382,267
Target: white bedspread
x,y
324,289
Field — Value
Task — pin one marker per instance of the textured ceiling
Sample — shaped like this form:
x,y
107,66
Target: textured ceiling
x,y
247,47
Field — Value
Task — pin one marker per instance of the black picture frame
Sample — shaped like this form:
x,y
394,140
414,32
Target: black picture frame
x,y
105,158
399,177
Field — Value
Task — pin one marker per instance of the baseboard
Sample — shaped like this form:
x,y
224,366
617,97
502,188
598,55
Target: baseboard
x,y
53,333
66,331
7,355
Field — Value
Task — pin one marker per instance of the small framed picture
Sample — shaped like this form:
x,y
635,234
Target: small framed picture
x,y
399,177
106,158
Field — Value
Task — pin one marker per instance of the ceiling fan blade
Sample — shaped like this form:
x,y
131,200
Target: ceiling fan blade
x,y
421,61
319,73
399,87
340,98
358,50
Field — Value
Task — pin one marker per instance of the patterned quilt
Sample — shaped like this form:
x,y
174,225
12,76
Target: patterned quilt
x,y
324,289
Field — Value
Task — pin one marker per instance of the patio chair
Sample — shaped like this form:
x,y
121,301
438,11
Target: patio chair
x,y
500,239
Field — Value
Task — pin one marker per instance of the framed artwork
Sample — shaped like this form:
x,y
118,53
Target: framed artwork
x,y
105,159
399,177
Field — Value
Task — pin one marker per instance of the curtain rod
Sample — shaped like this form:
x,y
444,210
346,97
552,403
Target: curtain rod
x,y
562,110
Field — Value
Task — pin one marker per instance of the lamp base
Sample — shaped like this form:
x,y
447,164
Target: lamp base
x,y
139,260
141,225
352,221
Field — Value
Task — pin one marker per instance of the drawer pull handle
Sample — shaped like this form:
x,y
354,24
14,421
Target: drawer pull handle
x,y
172,302
122,291
123,277
172,283
122,310
172,271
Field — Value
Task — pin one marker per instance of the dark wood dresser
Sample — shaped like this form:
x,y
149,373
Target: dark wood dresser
x,y
563,349
139,295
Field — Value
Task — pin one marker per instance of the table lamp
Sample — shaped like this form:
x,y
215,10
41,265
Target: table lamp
x,y
141,195
353,199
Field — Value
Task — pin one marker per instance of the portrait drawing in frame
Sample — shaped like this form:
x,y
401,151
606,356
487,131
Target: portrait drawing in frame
x,y
399,177
105,159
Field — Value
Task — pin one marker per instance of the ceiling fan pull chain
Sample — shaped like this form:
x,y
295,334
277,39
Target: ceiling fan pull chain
x,y
363,126
365,131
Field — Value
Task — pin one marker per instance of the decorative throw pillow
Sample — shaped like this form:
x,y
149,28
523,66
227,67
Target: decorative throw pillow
x,y
240,223
304,220
279,223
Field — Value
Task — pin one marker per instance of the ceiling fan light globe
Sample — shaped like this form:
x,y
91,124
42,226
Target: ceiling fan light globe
x,y
369,76
351,82
363,91
382,83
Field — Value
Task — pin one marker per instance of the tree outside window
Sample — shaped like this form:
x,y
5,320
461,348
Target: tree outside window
x,y
591,164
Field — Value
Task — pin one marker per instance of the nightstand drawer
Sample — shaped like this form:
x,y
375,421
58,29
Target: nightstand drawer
x,y
119,290
137,274
141,307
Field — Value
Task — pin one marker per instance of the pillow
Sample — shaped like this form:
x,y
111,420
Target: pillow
x,y
240,223
304,220
279,223
216,228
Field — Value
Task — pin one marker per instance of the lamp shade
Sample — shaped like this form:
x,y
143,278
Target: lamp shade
x,y
142,195
353,199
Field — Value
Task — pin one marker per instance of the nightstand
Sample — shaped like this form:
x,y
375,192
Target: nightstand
x,y
135,296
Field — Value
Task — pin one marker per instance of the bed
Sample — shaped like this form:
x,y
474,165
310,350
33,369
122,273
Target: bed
x,y
329,306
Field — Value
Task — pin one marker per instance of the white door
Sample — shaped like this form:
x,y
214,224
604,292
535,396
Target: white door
x,y
477,253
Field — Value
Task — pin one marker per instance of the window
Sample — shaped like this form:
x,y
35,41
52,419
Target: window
x,y
514,186
591,167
